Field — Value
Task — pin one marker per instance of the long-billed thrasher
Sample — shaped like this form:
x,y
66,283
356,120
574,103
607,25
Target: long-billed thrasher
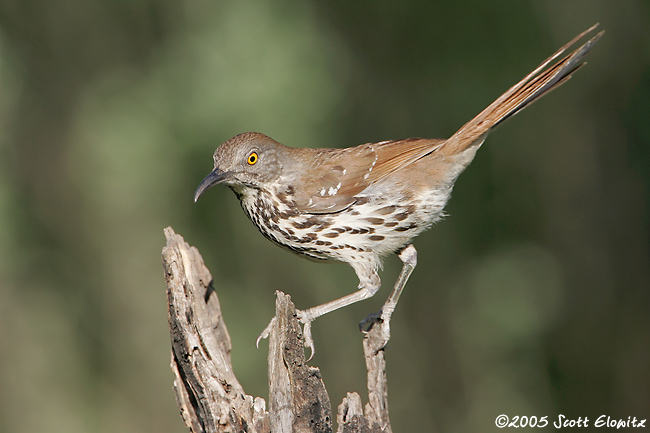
x,y
359,204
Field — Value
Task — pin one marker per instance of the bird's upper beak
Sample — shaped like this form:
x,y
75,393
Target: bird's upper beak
x,y
215,177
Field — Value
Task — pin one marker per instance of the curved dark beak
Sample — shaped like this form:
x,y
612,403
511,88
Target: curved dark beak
x,y
215,177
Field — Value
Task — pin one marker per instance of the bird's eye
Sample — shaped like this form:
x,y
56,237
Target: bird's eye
x,y
252,158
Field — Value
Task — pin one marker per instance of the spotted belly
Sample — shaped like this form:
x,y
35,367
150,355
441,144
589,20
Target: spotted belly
x,y
371,226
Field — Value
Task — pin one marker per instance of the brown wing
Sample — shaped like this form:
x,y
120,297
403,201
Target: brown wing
x,y
347,172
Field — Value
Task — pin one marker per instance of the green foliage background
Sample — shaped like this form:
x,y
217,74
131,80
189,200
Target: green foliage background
x,y
532,298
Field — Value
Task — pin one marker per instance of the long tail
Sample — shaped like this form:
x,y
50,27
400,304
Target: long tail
x,y
533,86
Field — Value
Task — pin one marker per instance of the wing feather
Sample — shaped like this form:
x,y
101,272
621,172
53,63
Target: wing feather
x,y
346,174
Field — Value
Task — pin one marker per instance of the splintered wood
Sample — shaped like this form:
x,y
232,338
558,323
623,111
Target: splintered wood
x,y
208,394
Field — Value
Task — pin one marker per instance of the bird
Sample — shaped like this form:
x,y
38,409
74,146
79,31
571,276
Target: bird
x,y
359,204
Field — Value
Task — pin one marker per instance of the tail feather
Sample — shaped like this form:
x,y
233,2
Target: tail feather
x,y
532,87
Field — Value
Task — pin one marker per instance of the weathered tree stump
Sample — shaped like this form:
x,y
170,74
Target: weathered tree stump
x,y
207,392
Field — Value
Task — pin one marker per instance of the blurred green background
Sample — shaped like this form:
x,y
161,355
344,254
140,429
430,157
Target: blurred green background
x,y
531,298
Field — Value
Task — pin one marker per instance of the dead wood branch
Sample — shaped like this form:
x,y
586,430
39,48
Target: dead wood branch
x,y
207,392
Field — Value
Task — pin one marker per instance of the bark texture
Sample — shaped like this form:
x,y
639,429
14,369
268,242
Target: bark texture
x,y
209,395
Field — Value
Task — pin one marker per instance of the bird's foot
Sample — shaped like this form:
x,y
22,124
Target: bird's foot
x,y
382,321
305,318
267,331
366,324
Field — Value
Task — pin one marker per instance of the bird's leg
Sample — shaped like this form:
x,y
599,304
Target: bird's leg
x,y
368,286
409,257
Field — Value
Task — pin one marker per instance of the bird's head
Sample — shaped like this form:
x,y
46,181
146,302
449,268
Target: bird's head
x,y
248,160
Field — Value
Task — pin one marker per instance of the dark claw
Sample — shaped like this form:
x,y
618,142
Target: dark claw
x,y
366,324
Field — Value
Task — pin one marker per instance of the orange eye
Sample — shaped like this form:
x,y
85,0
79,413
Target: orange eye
x,y
252,158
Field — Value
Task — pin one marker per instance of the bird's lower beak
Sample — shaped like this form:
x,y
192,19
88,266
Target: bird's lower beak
x,y
215,177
